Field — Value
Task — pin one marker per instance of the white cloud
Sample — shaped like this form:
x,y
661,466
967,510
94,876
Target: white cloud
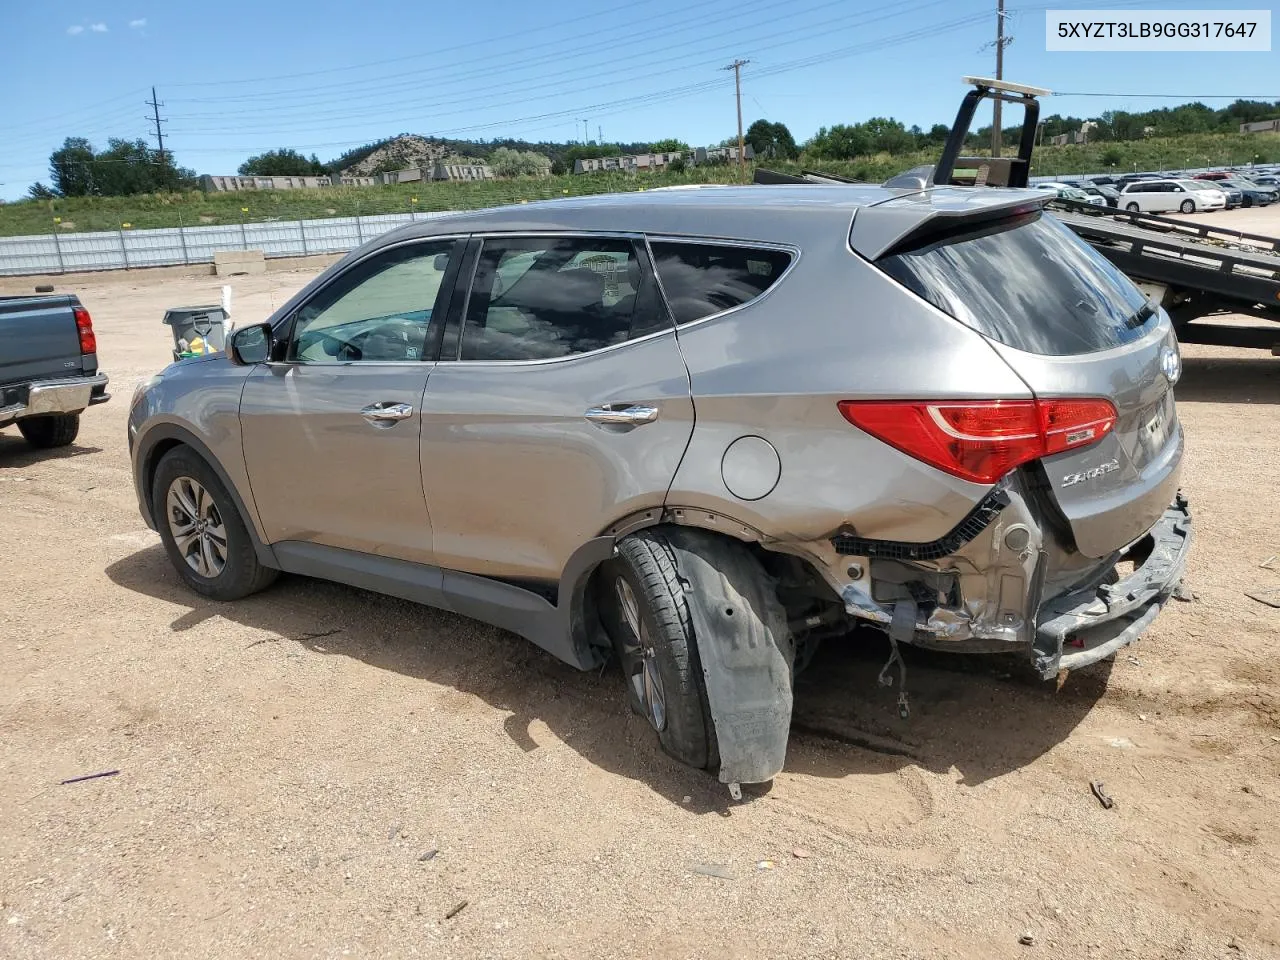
x,y
138,24
74,29
98,27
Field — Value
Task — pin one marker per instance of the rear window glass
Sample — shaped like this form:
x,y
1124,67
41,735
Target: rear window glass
x,y
701,279
1029,283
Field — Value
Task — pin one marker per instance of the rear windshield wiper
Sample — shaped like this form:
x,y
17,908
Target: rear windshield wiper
x,y
1143,314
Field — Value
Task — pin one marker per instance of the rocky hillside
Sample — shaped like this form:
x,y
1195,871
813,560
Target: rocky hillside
x,y
406,150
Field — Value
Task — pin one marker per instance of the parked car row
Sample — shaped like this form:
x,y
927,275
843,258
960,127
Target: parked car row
x,y
1163,193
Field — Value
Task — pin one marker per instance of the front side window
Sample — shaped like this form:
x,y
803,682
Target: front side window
x,y
700,279
538,298
379,310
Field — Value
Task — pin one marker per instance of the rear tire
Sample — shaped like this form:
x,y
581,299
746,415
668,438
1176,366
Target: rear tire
x,y
203,533
1187,206
644,609
54,430
1132,207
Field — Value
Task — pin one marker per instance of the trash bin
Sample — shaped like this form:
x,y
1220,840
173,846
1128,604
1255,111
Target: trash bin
x,y
197,330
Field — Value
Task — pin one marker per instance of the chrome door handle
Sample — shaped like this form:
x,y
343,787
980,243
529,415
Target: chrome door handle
x,y
385,414
623,414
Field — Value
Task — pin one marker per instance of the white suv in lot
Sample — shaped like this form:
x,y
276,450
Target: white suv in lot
x,y
1160,196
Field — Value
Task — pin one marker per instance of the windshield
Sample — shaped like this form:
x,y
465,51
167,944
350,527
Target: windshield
x,y
1028,282
1203,185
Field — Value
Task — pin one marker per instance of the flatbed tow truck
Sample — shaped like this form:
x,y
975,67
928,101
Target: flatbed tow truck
x,y
1194,270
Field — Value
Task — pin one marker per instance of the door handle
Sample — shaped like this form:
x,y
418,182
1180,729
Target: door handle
x,y
386,413
622,414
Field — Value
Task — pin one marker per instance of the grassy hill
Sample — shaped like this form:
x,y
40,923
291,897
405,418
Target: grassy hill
x,y
195,208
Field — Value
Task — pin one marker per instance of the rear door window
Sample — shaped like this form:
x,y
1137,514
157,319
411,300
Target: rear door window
x,y
700,279
1027,282
539,298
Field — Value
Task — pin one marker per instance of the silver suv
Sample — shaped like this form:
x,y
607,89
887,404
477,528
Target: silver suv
x,y
698,431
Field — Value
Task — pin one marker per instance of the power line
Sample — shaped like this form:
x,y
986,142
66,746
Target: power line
x,y
481,95
615,106
435,52
1173,96
605,59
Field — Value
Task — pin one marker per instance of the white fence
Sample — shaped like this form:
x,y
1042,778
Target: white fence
x,y
122,249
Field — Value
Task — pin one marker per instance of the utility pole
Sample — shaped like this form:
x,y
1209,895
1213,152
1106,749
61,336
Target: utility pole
x,y
736,67
586,131
1001,42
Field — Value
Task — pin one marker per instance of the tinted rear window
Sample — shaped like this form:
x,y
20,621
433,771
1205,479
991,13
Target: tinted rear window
x,y
1030,283
700,279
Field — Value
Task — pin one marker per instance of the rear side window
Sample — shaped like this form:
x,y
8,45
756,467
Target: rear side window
x,y
1029,283
701,279
538,298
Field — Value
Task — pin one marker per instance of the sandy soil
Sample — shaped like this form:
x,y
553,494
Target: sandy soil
x,y
288,764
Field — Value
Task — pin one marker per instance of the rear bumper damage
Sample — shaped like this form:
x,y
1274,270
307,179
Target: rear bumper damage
x,y
1003,582
1089,625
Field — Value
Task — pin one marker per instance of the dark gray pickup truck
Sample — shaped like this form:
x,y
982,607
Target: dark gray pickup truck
x,y
48,367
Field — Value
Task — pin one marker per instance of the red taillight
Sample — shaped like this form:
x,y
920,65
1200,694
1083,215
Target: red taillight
x,y
84,325
982,440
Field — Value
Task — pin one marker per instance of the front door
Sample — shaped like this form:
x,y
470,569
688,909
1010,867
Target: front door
x,y
563,405
331,433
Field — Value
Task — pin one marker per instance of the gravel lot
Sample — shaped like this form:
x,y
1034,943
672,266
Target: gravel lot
x,y
289,763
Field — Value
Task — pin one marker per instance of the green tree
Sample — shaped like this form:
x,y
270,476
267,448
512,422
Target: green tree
x,y
840,142
771,140
670,145
39,191
506,162
282,163
71,168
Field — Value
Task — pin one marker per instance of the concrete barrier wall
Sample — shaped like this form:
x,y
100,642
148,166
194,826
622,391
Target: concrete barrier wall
x,y
126,249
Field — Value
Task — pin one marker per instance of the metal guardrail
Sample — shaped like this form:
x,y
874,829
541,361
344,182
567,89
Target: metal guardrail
x,y
127,249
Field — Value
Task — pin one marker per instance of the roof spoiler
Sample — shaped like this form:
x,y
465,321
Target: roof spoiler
x,y
987,171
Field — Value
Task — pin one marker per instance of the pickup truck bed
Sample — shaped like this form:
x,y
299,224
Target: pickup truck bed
x,y
48,367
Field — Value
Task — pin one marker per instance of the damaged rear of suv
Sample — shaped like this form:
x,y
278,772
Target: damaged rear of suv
x,y
700,431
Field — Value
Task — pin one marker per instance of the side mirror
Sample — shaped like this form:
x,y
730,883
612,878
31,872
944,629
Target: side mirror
x,y
250,345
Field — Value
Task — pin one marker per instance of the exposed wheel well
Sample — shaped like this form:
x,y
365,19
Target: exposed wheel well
x,y
812,608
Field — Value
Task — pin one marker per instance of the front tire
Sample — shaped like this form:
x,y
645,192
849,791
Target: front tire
x,y
54,430
1132,207
644,609
203,533
1187,206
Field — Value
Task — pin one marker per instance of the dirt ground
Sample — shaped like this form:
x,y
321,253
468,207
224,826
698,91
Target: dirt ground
x,y
288,764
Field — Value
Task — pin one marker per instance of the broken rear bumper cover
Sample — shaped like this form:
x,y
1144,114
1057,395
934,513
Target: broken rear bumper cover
x,y
1086,626
1086,623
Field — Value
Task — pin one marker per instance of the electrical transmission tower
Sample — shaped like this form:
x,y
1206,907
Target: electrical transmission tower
x,y
155,106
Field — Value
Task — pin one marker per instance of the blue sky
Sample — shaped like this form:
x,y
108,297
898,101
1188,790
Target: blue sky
x,y
325,76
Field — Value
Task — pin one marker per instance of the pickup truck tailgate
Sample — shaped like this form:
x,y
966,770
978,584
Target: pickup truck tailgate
x,y
39,340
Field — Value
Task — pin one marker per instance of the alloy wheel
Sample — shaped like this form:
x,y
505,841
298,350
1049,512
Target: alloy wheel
x,y
638,659
197,527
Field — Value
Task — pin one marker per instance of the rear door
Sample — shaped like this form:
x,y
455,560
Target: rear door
x,y
1070,325
560,404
